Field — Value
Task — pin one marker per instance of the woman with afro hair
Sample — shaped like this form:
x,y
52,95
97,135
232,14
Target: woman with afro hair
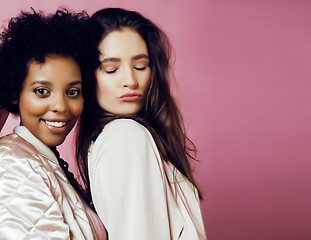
x,y
41,82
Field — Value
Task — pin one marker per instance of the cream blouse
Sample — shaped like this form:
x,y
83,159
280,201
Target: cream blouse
x,y
36,199
133,189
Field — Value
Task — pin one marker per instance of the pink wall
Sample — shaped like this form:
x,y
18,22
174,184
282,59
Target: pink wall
x,y
243,75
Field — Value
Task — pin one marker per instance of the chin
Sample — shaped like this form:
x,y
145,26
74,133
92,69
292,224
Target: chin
x,y
54,143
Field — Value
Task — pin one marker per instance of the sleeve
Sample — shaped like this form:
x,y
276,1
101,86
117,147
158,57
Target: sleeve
x,y
127,184
28,209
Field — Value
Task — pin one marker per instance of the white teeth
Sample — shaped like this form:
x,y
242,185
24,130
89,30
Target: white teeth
x,y
56,124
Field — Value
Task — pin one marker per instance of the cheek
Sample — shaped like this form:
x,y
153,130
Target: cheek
x,y
76,107
146,82
30,105
104,88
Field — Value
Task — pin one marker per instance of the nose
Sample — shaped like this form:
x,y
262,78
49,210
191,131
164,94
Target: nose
x,y
58,104
130,80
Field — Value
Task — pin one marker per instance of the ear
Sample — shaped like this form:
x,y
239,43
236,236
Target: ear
x,y
15,101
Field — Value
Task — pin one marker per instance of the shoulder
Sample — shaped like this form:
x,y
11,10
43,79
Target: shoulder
x,y
21,162
125,125
124,130
17,156
16,146
123,138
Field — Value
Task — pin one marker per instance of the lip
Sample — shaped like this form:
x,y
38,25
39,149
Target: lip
x,y
130,97
56,125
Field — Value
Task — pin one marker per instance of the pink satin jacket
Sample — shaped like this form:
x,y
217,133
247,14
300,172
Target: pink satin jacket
x,y
36,199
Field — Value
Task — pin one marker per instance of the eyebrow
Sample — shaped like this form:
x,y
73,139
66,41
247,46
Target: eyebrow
x,y
41,82
47,83
140,56
75,83
114,59
111,59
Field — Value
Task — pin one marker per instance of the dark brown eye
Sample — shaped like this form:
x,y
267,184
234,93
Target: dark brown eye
x,y
73,92
42,92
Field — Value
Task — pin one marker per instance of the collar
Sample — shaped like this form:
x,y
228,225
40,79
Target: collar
x,y
23,132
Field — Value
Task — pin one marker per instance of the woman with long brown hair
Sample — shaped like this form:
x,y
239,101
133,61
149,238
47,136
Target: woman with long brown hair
x,y
133,153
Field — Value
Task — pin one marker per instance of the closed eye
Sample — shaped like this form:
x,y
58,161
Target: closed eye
x,y
112,71
140,68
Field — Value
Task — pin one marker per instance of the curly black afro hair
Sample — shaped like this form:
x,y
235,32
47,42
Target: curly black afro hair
x,y
33,36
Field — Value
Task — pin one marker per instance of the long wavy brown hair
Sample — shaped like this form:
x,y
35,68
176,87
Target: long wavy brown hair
x,y
160,115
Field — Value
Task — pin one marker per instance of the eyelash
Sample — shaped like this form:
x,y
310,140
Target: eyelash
x,y
110,72
140,69
46,92
137,68
77,92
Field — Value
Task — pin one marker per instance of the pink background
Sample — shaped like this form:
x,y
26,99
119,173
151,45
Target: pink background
x,y
243,74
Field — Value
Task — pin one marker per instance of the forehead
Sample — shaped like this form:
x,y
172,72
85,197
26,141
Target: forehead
x,y
56,70
122,43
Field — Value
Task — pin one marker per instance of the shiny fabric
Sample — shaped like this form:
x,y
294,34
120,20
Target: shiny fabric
x,y
134,192
36,199
100,230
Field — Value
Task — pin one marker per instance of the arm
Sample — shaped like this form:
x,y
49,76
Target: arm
x,y
127,183
28,209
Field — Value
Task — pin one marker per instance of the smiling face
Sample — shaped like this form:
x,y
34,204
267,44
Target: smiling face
x,y
51,101
124,76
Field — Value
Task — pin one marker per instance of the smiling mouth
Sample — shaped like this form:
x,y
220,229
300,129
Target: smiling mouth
x,y
55,124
